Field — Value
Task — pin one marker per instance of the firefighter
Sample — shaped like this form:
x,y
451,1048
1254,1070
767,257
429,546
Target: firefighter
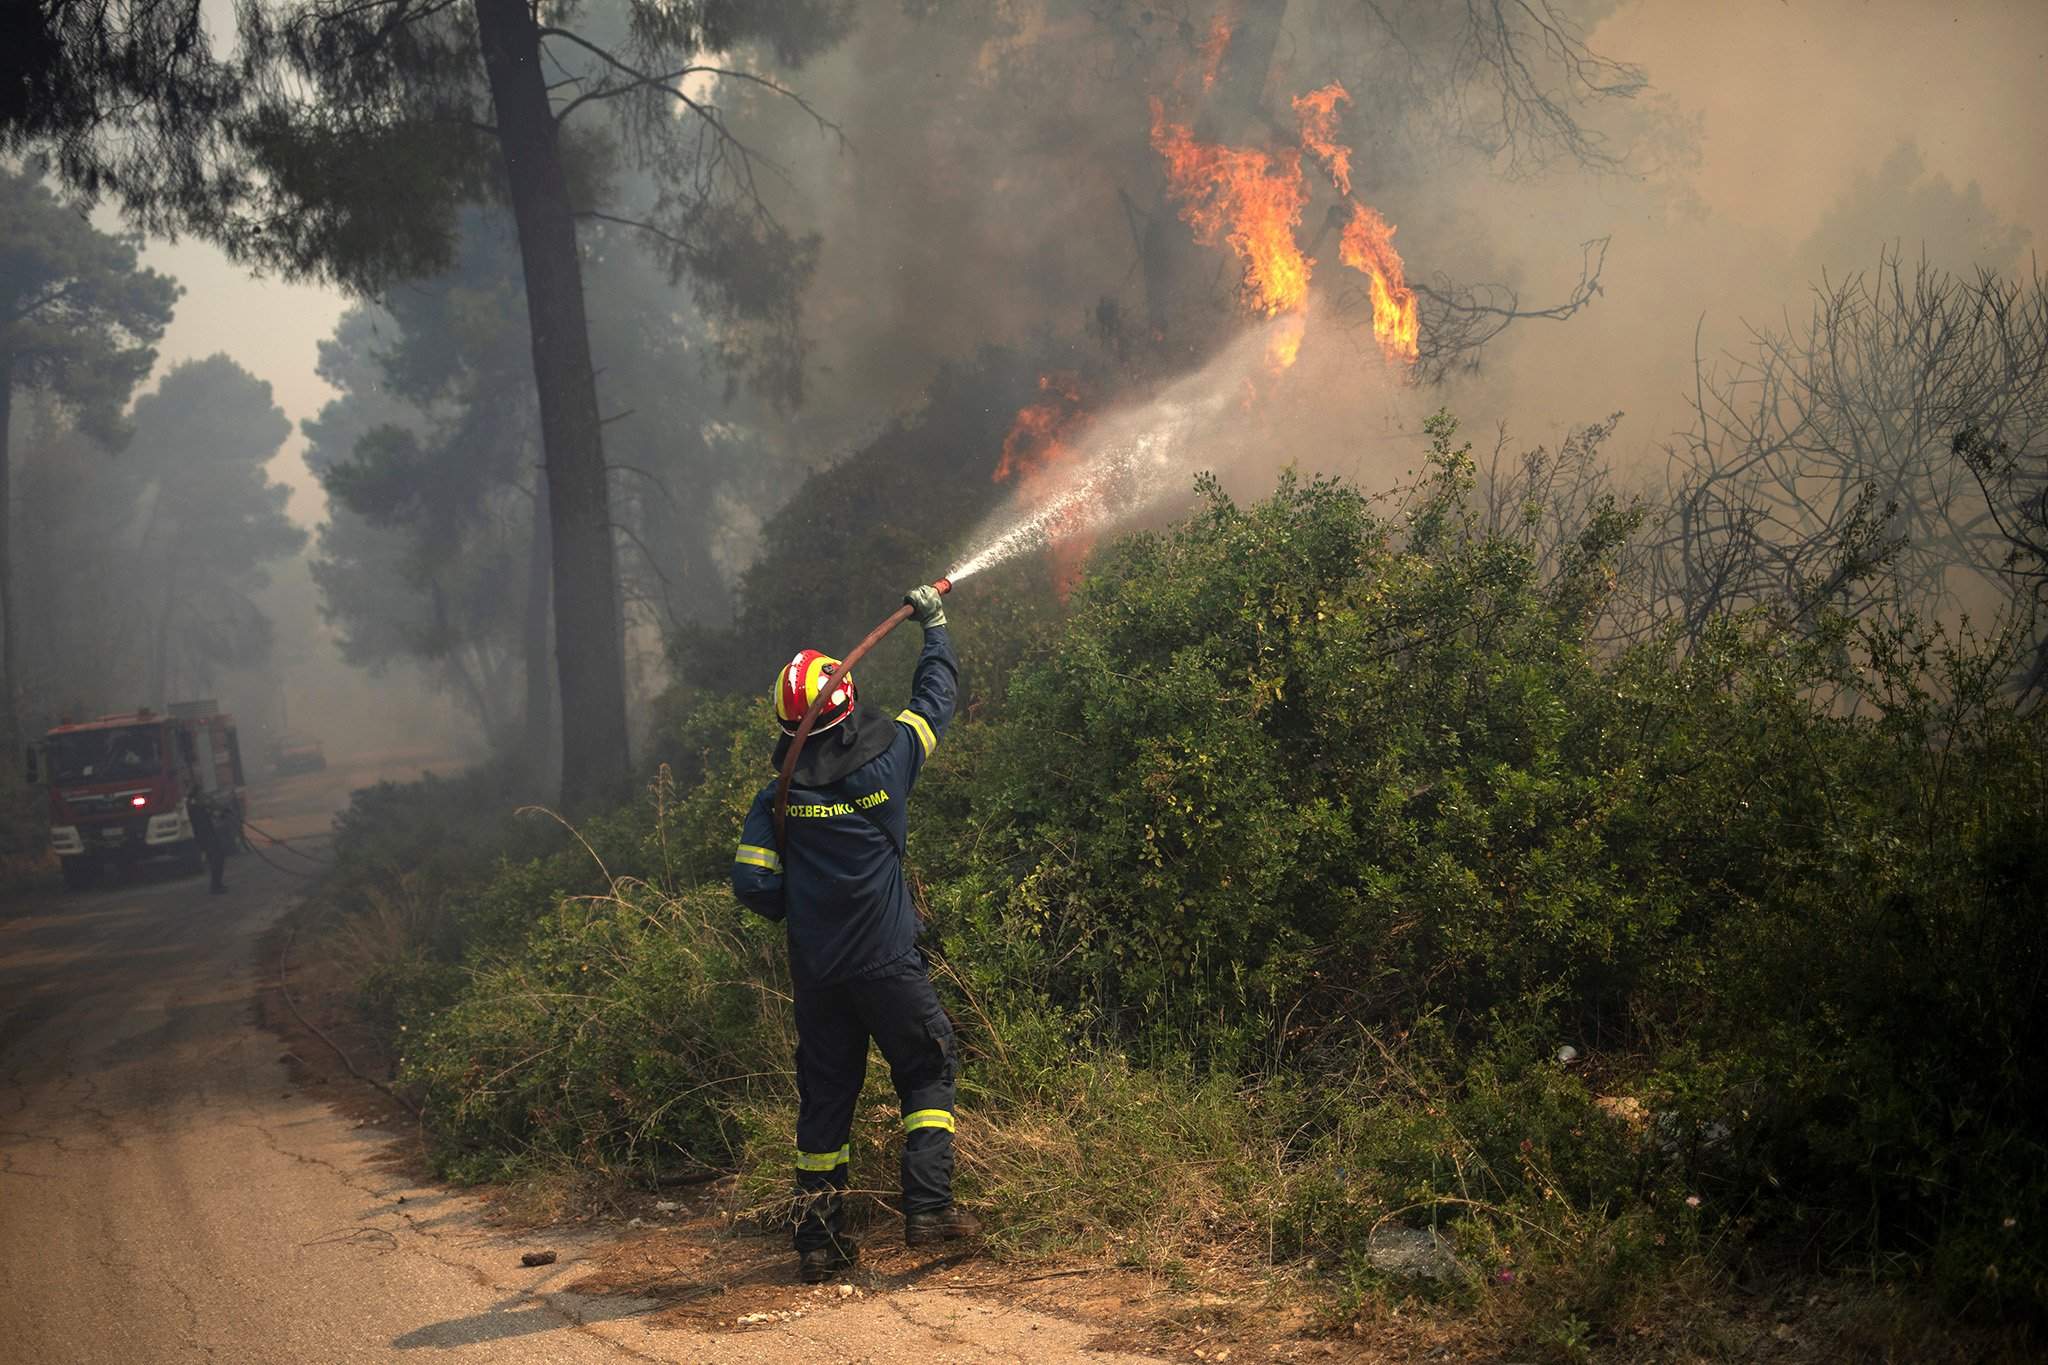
x,y
212,840
838,886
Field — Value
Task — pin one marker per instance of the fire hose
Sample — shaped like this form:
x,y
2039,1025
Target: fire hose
x,y
810,718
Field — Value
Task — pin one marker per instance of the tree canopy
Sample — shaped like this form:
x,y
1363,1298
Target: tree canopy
x,y
79,323
146,568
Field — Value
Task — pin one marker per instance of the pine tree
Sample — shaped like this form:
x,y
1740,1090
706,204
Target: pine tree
x,y
78,320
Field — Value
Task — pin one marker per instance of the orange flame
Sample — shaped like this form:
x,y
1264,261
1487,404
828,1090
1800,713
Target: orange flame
x,y
1318,114
1038,436
1251,199
1368,246
1034,453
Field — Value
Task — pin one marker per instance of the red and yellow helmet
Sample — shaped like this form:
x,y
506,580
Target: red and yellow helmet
x,y
798,684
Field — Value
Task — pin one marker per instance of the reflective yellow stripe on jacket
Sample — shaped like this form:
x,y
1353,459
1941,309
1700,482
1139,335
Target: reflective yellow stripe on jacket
x,y
923,728
753,855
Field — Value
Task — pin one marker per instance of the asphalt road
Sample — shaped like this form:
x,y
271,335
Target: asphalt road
x,y
168,1194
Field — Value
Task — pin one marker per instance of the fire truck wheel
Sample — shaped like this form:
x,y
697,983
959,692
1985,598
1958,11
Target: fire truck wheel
x,y
79,873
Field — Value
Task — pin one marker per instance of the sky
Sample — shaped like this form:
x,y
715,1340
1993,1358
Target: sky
x,y
1795,96
1794,100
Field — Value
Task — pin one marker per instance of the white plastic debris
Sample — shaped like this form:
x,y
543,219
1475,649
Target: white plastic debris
x,y
1567,1054
1413,1253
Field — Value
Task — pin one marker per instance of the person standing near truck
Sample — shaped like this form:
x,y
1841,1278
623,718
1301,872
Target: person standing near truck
x,y
208,833
837,885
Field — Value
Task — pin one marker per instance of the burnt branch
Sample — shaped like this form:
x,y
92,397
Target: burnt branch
x,y
620,78
1515,80
1460,320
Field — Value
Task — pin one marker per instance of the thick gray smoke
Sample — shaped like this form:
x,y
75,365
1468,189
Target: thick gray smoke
x,y
988,180
996,181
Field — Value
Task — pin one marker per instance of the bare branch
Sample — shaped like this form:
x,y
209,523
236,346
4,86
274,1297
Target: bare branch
x,y
1888,450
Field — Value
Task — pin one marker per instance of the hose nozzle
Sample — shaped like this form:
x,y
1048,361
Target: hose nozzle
x,y
944,585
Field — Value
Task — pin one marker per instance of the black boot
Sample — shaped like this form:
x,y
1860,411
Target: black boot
x,y
820,1264
929,1229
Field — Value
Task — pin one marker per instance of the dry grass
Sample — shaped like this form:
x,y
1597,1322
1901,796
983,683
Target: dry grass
x,y
387,925
541,1192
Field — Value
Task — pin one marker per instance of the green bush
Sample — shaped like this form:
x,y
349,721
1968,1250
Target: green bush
x,y
1301,762
629,1031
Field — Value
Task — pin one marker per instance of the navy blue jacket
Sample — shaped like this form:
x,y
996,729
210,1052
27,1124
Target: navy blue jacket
x,y
839,886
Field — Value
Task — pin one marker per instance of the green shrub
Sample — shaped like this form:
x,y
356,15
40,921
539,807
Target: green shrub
x,y
1300,761
628,1032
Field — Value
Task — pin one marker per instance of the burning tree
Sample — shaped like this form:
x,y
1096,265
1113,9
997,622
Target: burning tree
x,y
1513,86
1241,172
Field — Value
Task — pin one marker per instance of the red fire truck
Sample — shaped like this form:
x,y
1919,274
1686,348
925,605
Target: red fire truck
x,y
122,787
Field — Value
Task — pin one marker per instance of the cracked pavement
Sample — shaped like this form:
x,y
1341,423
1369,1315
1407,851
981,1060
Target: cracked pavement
x,y
168,1194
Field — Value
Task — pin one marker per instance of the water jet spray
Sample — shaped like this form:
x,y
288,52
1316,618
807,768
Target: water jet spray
x,y
1130,460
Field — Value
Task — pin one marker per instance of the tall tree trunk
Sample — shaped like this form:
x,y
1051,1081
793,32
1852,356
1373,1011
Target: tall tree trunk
x,y
458,671
10,718
588,652
540,690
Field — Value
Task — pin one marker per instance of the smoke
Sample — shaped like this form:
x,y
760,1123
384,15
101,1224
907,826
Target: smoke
x,y
996,181
305,691
1129,459
989,180
974,202
1796,142
1227,419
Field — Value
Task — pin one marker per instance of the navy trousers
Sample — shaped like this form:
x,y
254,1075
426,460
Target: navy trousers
x,y
899,1010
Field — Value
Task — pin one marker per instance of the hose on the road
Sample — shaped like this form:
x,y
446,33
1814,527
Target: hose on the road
x,y
300,873
248,828
285,844
285,988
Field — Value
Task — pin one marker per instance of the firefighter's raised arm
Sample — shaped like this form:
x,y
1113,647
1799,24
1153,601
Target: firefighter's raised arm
x,y
935,686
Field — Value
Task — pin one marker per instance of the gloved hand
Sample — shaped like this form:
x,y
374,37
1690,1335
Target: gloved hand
x,y
926,605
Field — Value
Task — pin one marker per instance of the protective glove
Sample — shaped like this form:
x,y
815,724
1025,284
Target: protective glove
x,y
926,605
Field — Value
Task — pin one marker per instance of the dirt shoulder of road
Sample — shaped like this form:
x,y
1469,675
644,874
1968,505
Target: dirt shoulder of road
x,y
326,1046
